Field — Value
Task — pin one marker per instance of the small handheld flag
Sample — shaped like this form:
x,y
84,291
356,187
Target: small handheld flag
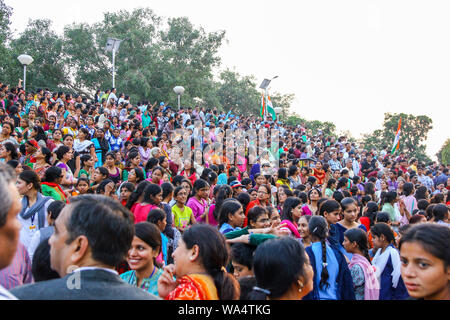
x,y
270,108
263,107
396,144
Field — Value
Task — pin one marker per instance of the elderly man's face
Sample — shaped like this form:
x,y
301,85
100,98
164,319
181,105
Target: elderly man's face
x,y
9,232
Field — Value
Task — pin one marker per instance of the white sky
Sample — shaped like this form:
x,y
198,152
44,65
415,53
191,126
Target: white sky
x,y
347,61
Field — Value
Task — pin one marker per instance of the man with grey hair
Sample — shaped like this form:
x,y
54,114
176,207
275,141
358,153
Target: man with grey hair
x,y
9,224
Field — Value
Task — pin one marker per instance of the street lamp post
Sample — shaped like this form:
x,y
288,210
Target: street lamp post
x,y
25,60
278,110
179,90
113,45
265,86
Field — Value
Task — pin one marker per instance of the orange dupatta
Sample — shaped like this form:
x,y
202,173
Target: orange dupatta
x,y
194,287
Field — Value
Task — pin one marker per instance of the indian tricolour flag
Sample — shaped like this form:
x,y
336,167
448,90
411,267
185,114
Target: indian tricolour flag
x,y
270,108
263,107
396,144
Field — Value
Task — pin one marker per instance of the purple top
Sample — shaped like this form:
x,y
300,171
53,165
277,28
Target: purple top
x,y
69,173
197,208
145,154
212,221
392,186
115,177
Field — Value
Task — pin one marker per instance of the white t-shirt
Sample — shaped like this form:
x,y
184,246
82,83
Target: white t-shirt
x,y
29,228
111,96
185,117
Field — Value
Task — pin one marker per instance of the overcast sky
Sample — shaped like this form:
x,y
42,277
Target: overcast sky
x,y
346,61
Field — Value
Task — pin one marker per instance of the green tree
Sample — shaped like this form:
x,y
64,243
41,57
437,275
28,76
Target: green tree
x,y
44,45
283,101
238,93
444,153
5,36
189,55
327,128
312,126
294,119
90,64
5,15
414,131
373,140
151,61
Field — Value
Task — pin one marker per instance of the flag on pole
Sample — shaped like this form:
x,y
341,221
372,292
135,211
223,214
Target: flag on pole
x,y
396,144
263,107
270,109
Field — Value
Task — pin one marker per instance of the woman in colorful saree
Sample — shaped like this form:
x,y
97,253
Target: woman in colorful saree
x,y
51,184
199,268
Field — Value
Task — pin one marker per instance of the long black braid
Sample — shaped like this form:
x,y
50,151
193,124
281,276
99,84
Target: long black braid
x,y
324,275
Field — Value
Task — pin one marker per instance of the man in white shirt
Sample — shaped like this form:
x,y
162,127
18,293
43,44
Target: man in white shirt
x,y
112,96
356,164
202,115
347,149
124,100
383,152
349,167
185,116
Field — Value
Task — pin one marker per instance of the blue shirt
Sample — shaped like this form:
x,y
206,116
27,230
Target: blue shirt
x,y
327,292
442,178
225,228
29,104
340,231
115,143
164,246
335,164
149,284
143,108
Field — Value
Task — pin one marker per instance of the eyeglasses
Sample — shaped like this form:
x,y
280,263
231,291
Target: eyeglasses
x,y
262,192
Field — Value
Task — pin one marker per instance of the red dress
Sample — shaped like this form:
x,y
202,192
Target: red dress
x,y
141,212
251,205
192,178
320,175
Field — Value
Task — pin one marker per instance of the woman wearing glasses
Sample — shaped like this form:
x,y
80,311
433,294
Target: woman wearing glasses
x,y
262,200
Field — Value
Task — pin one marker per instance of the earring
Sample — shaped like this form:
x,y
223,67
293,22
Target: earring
x,y
301,286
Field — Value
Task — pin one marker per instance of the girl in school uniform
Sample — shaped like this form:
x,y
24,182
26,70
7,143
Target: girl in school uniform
x,y
387,263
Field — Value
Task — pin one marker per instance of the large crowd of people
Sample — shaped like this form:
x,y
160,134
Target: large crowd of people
x,y
102,198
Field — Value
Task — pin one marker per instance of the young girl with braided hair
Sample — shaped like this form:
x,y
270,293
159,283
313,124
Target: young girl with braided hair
x,y
365,282
332,278
387,263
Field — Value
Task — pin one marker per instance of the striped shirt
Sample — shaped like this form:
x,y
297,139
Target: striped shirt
x,y
19,271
